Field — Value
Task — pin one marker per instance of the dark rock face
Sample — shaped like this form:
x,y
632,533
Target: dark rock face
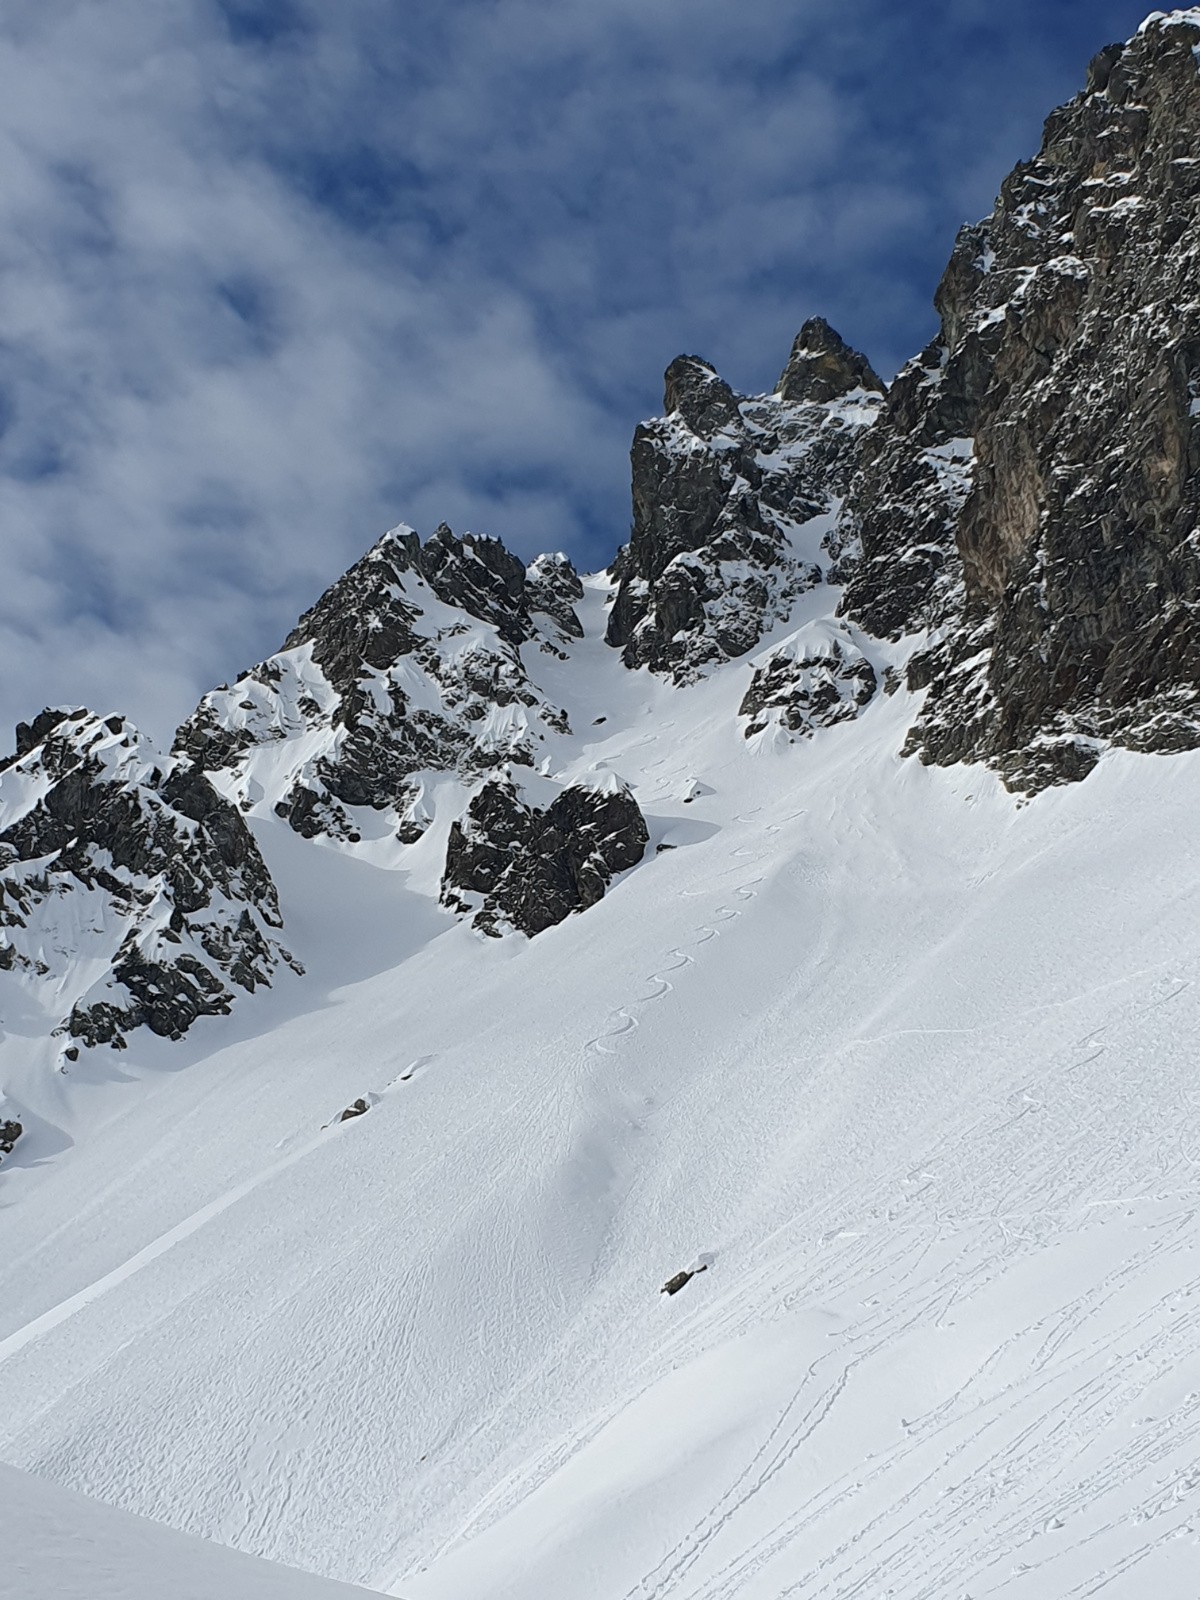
x,y
1061,576
553,588
823,367
731,498
96,828
410,663
534,865
10,1132
814,680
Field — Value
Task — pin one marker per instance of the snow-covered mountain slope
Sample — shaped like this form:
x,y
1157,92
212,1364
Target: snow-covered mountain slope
x,y
73,1548
907,1066
816,1214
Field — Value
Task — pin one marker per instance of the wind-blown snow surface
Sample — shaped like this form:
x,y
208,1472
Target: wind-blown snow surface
x,y
67,1547
910,1066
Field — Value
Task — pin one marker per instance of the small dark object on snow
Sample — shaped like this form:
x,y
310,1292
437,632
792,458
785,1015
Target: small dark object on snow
x,y
673,1285
10,1132
356,1110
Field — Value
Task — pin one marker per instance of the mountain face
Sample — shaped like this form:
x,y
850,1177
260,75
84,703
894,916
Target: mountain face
x,y
710,1090
732,498
128,885
408,665
1055,563
1009,531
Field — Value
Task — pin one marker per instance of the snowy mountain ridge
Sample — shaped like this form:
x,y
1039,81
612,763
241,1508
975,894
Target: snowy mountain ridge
x,y
674,1083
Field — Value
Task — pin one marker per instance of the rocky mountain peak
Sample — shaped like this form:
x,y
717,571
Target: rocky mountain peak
x,y
731,500
409,665
479,575
823,367
695,391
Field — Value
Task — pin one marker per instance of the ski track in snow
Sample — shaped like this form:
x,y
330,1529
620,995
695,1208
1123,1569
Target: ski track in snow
x,y
909,1070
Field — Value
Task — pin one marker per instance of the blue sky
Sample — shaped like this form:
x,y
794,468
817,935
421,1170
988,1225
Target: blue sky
x,y
278,274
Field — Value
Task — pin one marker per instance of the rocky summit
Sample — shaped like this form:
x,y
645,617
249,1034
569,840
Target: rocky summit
x,y
733,498
408,665
1006,537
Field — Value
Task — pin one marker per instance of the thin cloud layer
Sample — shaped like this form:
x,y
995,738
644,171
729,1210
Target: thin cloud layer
x,y
275,276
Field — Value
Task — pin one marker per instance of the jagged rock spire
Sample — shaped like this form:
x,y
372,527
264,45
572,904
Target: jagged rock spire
x,y
695,391
823,367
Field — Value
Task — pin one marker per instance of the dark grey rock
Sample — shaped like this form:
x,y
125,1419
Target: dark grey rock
x,y
172,860
10,1132
723,488
535,865
1060,573
823,367
681,1280
815,680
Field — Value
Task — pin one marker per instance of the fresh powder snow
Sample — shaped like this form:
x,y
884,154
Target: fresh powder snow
x,y
906,1064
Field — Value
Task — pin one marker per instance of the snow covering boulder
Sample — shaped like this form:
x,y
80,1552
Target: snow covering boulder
x,y
409,664
131,893
814,679
536,852
1056,569
732,499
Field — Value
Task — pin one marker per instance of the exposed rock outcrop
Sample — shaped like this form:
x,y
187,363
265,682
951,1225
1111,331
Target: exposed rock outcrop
x,y
823,367
528,854
112,855
816,678
680,1280
408,665
553,589
1061,576
731,502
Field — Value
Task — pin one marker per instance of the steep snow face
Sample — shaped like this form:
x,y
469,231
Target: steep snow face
x,y
409,666
131,893
908,1068
732,500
